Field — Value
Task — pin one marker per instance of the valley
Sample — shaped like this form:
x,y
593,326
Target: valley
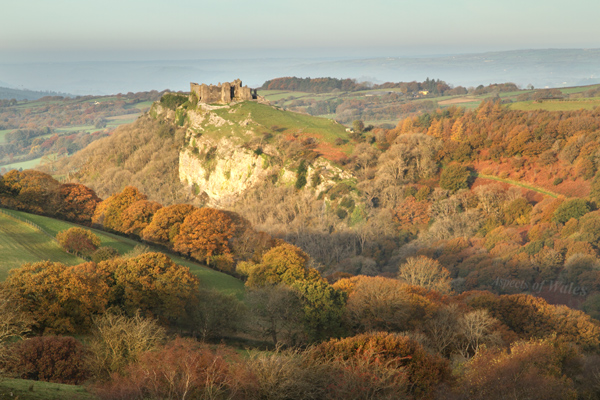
x,y
415,241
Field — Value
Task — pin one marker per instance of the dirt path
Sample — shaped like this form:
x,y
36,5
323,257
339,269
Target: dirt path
x,y
517,183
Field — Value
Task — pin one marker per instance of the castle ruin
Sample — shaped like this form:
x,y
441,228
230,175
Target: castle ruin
x,y
223,93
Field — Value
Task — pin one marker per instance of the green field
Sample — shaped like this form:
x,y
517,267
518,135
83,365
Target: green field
x,y
556,105
23,164
209,277
142,106
3,133
577,89
21,243
22,389
78,128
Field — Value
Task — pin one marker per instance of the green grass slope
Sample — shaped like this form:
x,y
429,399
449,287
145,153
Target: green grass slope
x,y
23,389
274,120
209,277
21,243
251,120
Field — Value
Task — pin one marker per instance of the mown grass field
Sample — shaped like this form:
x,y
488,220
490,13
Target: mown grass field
x,y
209,277
21,243
22,389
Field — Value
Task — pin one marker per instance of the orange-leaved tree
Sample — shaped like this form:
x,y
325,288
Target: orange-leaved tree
x,y
424,371
166,222
60,298
78,240
531,370
108,213
285,263
77,203
30,190
205,233
152,283
137,216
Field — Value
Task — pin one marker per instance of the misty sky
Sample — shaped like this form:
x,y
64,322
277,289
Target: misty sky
x,y
70,30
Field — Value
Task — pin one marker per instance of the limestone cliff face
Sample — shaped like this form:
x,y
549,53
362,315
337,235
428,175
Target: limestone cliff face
x,y
225,153
221,169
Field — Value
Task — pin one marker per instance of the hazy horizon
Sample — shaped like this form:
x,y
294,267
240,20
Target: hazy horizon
x,y
108,38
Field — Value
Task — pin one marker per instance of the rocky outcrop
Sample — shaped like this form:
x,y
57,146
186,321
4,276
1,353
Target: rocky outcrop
x,y
221,169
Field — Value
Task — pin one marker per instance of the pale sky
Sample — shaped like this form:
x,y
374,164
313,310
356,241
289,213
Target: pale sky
x,y
55,30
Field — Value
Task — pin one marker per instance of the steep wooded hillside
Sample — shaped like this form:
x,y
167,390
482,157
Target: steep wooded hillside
x,y
144,154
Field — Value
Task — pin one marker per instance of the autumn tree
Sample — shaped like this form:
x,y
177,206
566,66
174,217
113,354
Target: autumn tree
x,y
375,304
166,222
118,340
181,369
78,240
532,370
59,359
455,177
31,190
14,323
425,272
59,298
76,203
216,314
424,371
153,283
204,233
137,216
531,316
412,214
285,263
108,213
278,313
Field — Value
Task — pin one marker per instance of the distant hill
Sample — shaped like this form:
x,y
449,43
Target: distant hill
x,y
24,94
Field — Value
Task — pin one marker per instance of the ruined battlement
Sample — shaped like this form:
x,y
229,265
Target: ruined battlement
x,y
223,93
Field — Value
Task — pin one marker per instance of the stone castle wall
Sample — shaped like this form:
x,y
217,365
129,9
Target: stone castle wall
x,y
223,93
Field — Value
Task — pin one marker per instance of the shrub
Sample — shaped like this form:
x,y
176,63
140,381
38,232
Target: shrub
x,y
424,371
78,240
172,100
182,369
49,358
301,175
118,340
425,272
104,253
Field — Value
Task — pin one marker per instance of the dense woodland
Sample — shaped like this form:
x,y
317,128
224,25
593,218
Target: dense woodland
x,y
359,337
325,85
